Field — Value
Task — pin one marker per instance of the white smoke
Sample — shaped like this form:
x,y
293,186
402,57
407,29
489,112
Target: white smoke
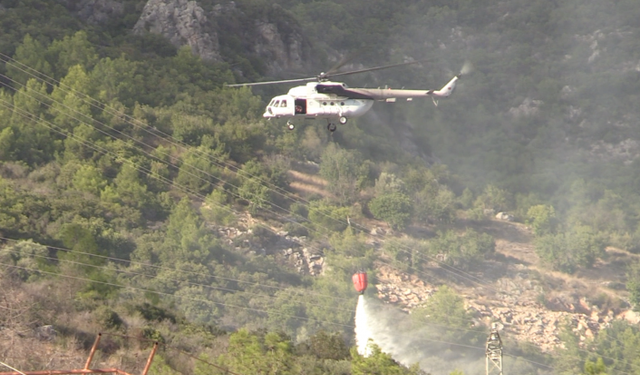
x,y
391,330
384,327
466,68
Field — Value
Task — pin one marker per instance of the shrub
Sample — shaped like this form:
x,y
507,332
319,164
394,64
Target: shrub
x,y
395,208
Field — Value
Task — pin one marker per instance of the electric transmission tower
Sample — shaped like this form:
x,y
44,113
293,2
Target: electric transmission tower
x,y
494,352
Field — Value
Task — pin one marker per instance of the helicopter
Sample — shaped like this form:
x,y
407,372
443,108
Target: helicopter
x,y
335,101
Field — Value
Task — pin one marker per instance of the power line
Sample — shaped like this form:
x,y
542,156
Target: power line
x,y
172,295
12,368
239,307
458,272
461,274
447,327
91,144
163,268
166,137
165,279
445,266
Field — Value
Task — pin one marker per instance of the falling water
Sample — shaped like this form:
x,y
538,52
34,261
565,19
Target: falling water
x,y
381,325
391,331
386,327
362,330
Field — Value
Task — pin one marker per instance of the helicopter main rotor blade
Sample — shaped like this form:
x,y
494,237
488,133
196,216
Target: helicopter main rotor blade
x,y
327,75
273,82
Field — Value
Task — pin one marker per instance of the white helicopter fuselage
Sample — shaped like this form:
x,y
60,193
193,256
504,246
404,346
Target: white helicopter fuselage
x,y
306,101
335,100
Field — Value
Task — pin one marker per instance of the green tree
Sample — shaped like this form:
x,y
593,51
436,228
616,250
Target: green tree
x,y
69,108
216,208
71,51
462,250
579,247
445,307
325,216
86,259
494,198
159,366
405,251
388,183
435,203
197,172
21,211
253,188
542,219
235,104
187,238
190,128
83,245
349,243
196,305
377,363
621,342
89,179
595,368
633,284
326,345
117,79
32,141
130,189
340,168
250,353
28,256
30,57
286,314
395,208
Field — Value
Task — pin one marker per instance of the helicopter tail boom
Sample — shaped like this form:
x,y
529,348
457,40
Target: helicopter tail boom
x,y
447,90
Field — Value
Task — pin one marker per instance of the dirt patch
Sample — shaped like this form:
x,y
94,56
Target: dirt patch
x,y
307,184
529,302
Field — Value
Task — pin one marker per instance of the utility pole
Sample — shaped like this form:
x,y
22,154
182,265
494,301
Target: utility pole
x,y
494,352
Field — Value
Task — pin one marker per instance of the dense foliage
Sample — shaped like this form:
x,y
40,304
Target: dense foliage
x,y
124,161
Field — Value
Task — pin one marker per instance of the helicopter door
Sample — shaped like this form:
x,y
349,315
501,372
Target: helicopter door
x,y
301,106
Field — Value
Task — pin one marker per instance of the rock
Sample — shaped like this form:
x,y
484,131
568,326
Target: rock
x,y
46,333
630,316
529,107
504,216
277,42
183,22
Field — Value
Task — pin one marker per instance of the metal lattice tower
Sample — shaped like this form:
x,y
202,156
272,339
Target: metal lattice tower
x,y
494,352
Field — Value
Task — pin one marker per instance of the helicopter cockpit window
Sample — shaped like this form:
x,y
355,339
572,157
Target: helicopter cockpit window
x,y
271,103
283,104
277,103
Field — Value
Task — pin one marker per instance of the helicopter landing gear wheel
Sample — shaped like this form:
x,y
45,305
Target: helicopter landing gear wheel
x,y
290,125
342,120
332,127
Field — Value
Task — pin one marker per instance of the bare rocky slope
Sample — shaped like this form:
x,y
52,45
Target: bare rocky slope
x,y
277,41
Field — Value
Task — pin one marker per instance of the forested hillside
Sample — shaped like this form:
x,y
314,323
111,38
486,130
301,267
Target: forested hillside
x,y
141,198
